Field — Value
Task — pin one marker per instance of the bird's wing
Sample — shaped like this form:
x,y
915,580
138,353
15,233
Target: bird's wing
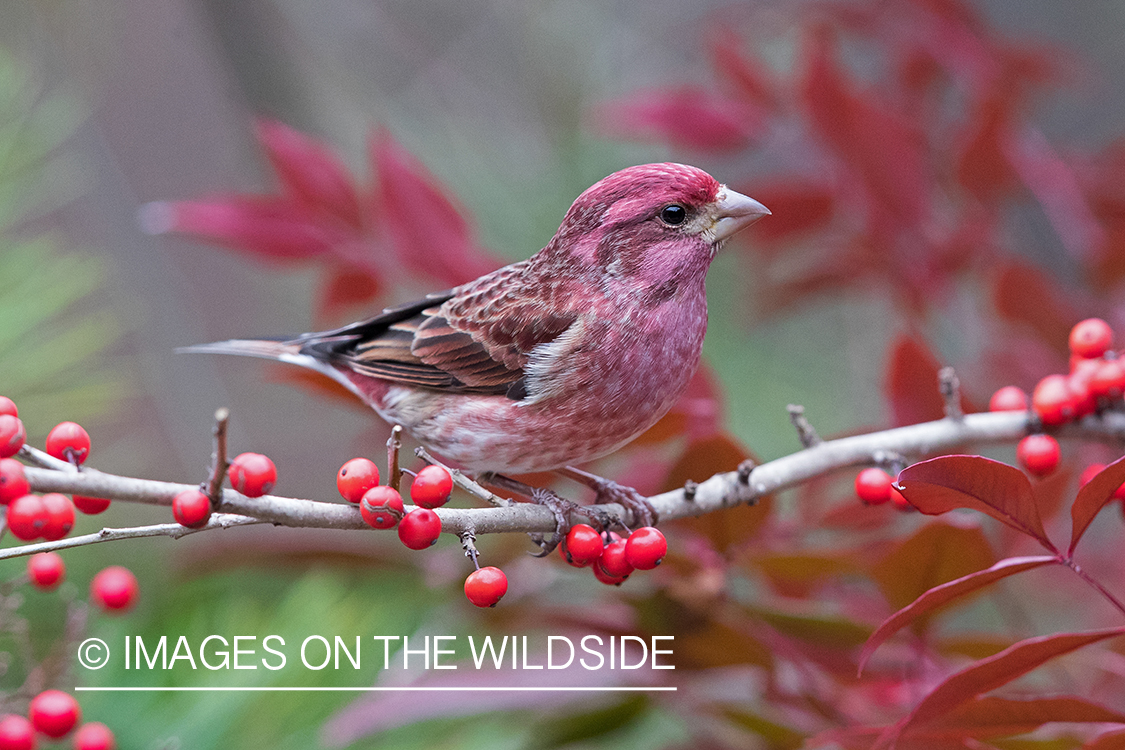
x,y
475,339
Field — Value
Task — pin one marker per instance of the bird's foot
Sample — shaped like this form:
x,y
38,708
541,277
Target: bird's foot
x,y
561,508
608,491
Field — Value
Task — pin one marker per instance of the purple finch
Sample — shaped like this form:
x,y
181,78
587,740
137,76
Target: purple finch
x,y
556,360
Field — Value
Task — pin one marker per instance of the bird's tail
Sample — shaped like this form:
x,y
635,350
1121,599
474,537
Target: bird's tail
x,y
279,350
291,352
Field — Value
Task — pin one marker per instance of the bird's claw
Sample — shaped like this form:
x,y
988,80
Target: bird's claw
x,y
609,491
561,508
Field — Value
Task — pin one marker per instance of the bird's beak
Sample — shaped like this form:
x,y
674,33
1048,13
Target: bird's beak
x,y
735,212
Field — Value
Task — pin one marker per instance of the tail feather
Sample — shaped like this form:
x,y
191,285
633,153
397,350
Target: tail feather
x,y
289,352
247,348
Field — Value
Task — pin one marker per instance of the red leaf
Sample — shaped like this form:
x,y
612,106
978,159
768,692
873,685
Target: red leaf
x,y
1092,497
429,231
1055,185
269,227
941,551
310,173
345,287
983,166
1027,295
945,593
687,117
912,383
989,674
744,73
1111,740
992,716
798,206
941,484
880,145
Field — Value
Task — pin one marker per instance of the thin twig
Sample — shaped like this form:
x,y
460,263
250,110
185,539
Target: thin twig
x,y
43,460
219,463
805,431
174,530
468,543
464,482
394,471
950,387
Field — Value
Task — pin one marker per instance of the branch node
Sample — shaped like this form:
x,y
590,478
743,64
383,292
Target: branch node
x,y
950,387
690,488
394,444
805,431
745,469
219,464
893,461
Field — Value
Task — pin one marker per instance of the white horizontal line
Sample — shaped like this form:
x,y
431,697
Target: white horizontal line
x,y
372,689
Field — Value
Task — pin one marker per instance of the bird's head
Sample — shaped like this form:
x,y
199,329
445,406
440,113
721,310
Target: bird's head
x,y
653,223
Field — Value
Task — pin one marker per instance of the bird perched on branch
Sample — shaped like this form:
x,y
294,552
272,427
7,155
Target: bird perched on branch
x,y
555,360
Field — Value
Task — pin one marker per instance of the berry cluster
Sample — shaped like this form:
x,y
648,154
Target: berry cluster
x,y
381,505
50,516
55,714
1096,382
613,559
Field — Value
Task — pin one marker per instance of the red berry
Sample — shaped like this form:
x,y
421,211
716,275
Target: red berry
x,y
191,508
381,507
1108,378
419,528
67,441
645,548
27,516
60,516
91,506
606,578
900,501
8,406
252,474
1053,400
1039,454
431,487
873,486
1081,393
613,561
1008,398
581,546
16,733
12,435
1091,338
114,589
54,713
485,587
94,736
46,570
13,482
356,477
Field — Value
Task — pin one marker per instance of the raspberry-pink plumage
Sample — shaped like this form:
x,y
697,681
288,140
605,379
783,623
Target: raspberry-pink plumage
x,y
558,359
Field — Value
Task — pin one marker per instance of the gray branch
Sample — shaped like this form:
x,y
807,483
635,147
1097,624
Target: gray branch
x,y
720,491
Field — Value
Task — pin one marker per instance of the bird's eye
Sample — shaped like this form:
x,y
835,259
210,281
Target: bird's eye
x,y
673,215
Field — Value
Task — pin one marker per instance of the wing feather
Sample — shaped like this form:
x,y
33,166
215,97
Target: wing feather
x,y
474,339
